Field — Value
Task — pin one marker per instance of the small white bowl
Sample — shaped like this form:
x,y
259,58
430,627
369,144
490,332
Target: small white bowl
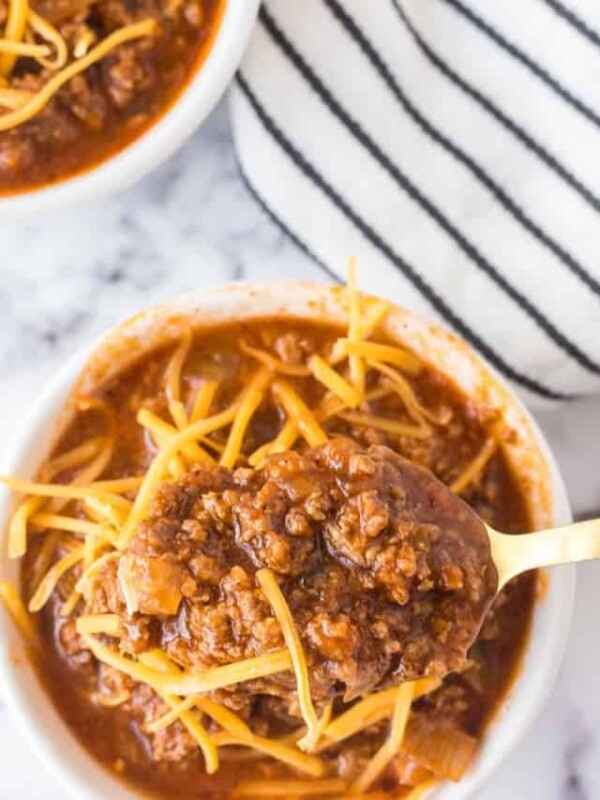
x,y
163,137
532,463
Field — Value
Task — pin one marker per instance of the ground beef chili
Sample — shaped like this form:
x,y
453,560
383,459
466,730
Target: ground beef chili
x,y
386,573
103,109
357,557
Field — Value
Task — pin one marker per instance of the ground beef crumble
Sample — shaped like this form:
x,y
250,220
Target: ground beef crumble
x,y
387,575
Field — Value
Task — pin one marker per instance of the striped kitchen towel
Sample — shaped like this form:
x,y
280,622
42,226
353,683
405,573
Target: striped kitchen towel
x,y
453,147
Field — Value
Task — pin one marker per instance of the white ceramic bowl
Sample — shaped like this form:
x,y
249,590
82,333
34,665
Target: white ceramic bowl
x,y
161,139
532,463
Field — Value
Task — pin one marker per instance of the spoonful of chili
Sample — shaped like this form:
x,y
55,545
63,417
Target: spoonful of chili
x,y
386,574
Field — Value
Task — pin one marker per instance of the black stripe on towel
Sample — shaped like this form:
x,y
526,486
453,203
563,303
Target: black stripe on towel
x,y
503,119
285,229
524,59
343,206
457,152
354,128
573,20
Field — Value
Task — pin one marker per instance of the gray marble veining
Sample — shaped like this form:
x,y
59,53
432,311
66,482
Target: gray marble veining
x,y
191,224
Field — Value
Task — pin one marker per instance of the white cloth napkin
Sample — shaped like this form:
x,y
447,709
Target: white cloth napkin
x,y
453,147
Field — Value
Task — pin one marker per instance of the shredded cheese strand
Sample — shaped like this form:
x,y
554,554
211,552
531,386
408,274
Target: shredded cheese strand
x,y
74,525
14,98
289,788
278,603
70,603
17,527
23,49
387,353
373,316
282,752
175,366
283,441
68,492
109,624
110,700
162,431
204,400
19,614
117,485
404,390
390,747
273,363
371,709
347,393
230,674
93,569
296,409
252,398
351,721
385,424
52,577
14,31
39,100
474,469
418,792
310,744
156,471
105,512
163,665
48,32
193,683
357,366
73,458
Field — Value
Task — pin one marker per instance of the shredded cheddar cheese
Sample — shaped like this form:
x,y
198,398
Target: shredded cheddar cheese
x,y
383,352
252,398
277,601
19,614
273,363
349,395
390,747
297,410
52,577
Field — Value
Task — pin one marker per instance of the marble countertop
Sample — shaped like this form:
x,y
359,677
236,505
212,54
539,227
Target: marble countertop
x,y
193,224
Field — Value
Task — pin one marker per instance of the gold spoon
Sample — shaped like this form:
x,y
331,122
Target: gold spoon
x,y
513,555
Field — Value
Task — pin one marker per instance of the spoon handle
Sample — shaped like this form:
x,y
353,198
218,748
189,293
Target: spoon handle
x,y
515,554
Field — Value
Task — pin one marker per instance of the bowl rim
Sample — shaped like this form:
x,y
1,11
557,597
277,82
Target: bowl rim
x,y
19,686
163,137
